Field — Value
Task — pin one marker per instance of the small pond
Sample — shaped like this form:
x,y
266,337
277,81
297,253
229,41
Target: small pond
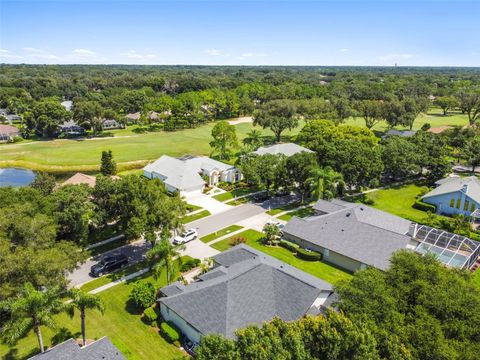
x,y
15,177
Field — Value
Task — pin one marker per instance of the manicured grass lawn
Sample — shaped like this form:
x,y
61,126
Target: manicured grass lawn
x,y
191,207
434,117
476,278
301,213
319,269
280,209
220,233
121,323
236,193
196,216
131,150
399,200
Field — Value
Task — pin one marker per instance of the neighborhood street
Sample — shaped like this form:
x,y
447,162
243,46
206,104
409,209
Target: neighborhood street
x,y
250,215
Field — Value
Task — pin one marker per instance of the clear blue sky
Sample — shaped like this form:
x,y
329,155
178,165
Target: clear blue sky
x,y
267,32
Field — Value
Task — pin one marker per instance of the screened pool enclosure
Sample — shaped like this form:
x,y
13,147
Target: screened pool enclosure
x,y
451,249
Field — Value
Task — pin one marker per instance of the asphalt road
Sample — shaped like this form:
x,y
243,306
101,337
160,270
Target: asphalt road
x,y
137,251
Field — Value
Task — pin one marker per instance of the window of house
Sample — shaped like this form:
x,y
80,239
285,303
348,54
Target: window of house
x,y
326,253
452,203
465,206
458,203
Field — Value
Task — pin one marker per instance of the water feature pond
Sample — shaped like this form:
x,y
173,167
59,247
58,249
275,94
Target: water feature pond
x,y
16,177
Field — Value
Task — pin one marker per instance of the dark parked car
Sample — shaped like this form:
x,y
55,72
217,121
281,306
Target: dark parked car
x,y
109,264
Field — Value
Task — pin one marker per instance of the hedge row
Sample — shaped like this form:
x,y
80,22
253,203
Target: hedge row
x,y
420,205
170,331
150,315
288,245
189,265
308,255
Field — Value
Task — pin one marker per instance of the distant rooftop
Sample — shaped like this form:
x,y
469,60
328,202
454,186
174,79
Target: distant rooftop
x,y
469,185
287,149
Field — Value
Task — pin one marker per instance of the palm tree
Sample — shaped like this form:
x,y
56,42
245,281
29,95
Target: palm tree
x,y
83,301
326,181
29,311
163,255
254,138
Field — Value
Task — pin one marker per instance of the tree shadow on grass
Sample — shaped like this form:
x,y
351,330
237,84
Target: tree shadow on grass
x,y
64,334
13,354
131,308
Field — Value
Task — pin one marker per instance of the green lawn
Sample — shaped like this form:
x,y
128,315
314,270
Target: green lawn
x,y
220,233
434,117
301,213
319,269
121,323
191,208
131,150
476,277
283,208
196,216
233,194
398,200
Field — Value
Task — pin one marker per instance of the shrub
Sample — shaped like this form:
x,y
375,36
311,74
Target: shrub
x,y
288,245
143,294
308,255
189,264
170,331
420,205
150,315
237,240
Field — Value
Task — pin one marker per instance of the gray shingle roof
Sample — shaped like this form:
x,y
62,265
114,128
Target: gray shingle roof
x,y
249,291
69,350
470,185
325,206
359,232
287,149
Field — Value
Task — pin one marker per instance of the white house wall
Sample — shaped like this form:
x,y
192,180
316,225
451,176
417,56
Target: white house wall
x,y
185,328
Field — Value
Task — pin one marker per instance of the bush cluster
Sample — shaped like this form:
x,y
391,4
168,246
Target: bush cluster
x,y
237,240
288,245
143,294
189,265
308,255
150,315
420,205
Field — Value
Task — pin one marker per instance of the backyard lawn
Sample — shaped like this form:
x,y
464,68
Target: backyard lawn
x,y
131,150
220,233
319,269
121,323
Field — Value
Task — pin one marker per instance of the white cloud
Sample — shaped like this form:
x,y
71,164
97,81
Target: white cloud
x,y
395,57
32,50
344,50
213,52
132,54
4,51
250,55
84,53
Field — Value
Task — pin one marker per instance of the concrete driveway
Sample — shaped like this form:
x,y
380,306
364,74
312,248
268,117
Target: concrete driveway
x,y
208,203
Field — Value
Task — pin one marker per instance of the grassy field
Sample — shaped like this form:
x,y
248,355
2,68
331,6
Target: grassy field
x,y
131,150
434,117
220,233
319,269
121,323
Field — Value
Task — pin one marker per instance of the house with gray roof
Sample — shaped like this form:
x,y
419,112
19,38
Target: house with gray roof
x,y
189,174
287,149
350,235
401,133
455,195
102,349
245,287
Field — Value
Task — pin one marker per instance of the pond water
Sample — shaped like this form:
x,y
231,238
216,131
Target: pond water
x,y
16,177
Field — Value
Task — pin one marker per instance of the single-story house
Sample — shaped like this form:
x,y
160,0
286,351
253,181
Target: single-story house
x,y
133,116
8,132
245,287
455,195
287,149
70,350
71,128
151,115
402,133
189,174
352,236
108,124
355,236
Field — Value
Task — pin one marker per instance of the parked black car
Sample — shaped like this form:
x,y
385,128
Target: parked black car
x,y
109,264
